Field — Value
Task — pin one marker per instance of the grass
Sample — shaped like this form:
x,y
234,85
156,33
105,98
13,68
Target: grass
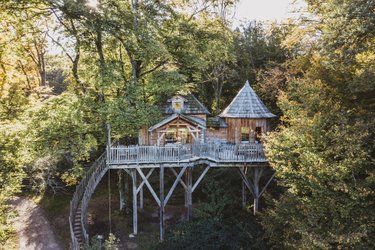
x,y
56,208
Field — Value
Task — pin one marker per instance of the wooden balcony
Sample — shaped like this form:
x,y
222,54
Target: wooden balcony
x,y
216,153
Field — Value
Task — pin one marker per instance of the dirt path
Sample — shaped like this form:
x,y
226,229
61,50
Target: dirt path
x,y
33,229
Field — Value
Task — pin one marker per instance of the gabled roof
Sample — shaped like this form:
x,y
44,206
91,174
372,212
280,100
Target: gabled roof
x,y
191,106
194,120
247,104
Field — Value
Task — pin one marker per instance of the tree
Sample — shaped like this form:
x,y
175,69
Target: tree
x,y
323,153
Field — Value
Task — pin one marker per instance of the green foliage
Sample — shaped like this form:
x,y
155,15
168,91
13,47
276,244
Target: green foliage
x,y
65,126
13,154
219,221
237,232
322,162
111,243
218,194
324,151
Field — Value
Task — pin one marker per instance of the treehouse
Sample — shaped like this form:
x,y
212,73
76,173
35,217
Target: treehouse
x,y
185,140
186,121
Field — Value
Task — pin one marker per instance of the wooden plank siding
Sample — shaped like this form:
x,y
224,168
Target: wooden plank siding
x,y
216,135
143,136
222,135
235,124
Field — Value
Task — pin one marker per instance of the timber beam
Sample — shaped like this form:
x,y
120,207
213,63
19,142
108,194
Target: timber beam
x,y
253,185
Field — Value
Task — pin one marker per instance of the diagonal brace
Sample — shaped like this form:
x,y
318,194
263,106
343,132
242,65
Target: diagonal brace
x,y
181,181
178,178
268,182
143,182
200,178
148,185
247,182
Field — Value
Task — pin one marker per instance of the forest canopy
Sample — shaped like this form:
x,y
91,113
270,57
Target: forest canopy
x,y
68,68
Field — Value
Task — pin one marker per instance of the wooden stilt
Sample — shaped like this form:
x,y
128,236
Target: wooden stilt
x,y
189,193
161,202
186,188
253,184
256,177
256,190
141,198
135,212
244,193
120,184
244,198
127,190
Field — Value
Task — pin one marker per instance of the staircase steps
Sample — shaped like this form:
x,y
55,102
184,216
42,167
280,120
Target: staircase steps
x,y
88,184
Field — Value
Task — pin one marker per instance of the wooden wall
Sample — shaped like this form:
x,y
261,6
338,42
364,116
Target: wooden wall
x,y
213,135
234,123
143,136
216,135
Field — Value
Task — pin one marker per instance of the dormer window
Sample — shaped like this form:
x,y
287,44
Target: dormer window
x,y
177,104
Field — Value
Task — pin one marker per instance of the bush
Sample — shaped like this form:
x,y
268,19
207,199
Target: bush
x,y
240,232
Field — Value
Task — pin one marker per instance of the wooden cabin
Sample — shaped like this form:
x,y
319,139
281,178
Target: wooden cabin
x,y
247,117
186,121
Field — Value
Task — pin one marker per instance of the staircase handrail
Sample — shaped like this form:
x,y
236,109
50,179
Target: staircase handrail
x,y
77,196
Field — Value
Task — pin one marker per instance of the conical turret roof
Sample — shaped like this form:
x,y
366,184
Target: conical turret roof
x,y
247,104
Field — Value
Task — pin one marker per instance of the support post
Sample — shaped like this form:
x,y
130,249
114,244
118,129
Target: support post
x,y
135,212
161,202
108,143
141,198
186,189
256,177
120,184
189,193
244,198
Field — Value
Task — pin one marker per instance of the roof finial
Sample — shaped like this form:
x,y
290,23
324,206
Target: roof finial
x,y
247,83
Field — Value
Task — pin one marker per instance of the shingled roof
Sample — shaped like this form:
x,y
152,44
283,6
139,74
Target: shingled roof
x,y
191,106
247,104
216,122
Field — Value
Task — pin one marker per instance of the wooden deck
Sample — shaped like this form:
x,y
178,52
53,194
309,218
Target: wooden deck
x,y
180,159
184,153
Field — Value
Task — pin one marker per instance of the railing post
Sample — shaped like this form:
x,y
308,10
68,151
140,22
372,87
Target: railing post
x,y
178,153
137,154
108,154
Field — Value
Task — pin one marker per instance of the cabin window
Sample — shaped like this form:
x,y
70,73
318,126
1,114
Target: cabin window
x,y
170,135
245,132
177,135
183,135
258,132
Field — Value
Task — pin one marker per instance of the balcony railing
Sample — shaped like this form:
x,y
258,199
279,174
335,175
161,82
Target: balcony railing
x,y
186,152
